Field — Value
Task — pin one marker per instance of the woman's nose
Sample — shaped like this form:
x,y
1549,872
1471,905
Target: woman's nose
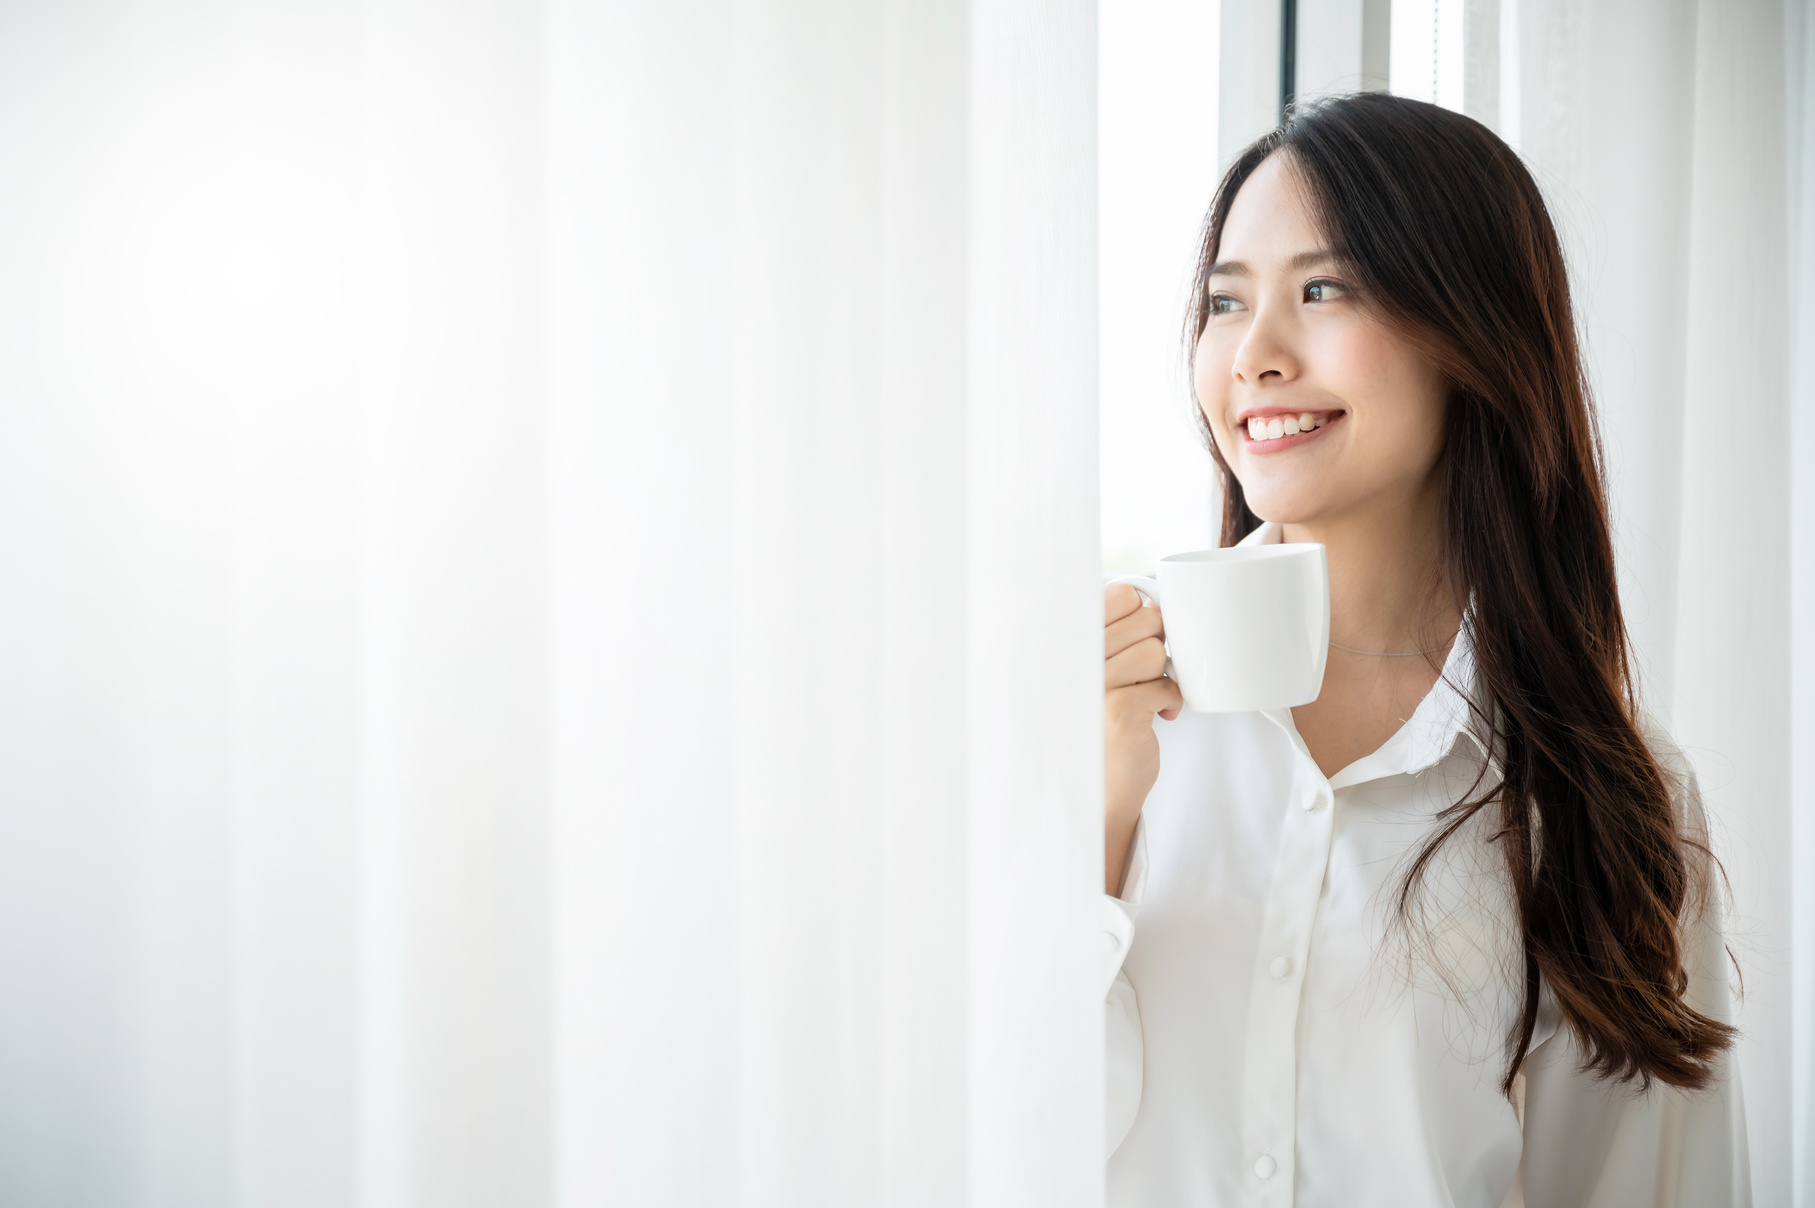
x,y
1265,351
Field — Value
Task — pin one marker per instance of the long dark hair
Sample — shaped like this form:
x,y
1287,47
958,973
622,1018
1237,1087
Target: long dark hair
x,y
1448,238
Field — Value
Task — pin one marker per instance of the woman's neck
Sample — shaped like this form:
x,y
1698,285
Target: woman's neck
x,y
1387,590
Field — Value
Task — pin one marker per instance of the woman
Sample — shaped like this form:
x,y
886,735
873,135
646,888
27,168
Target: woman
x,y
1447,934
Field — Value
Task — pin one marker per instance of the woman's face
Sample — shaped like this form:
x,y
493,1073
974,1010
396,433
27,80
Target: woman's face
x,y
1291,348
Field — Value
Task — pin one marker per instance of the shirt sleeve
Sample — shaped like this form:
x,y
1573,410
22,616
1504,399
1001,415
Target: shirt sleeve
x,y
1590,1143
1123,1050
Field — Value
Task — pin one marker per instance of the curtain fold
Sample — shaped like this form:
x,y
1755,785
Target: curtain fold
x,y
1732,670
1799,55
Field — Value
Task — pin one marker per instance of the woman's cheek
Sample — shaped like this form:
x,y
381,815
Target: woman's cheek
x,y
1213,410
1354,362
1211,380
1374,370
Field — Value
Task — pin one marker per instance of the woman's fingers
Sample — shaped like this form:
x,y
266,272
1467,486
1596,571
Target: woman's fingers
x,y
1134,659
1119,600
1135,704
1137,626
1145,660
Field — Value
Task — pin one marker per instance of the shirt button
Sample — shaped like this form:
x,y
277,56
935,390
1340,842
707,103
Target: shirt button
x,y
1281,966
1265,1167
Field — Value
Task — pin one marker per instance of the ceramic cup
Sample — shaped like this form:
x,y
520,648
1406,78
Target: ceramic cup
x,y
1247,627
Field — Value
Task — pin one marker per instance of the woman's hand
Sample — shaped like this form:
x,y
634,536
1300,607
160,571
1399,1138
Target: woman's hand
x,y
1134,654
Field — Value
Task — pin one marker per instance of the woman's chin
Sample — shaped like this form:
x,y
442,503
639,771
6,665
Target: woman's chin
x,y
1285,507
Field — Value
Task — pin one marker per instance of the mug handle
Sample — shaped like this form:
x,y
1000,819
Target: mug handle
x,y
1149,587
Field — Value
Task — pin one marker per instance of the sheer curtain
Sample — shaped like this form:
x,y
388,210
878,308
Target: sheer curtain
x,y
549,638
1673,143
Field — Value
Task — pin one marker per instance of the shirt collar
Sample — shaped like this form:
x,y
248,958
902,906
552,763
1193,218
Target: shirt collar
x,y
1453,708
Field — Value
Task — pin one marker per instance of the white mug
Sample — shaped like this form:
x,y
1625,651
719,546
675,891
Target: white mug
x,y
1247,627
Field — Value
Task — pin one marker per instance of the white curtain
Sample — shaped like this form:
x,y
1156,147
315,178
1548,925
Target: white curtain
x,y
549,631
1673,141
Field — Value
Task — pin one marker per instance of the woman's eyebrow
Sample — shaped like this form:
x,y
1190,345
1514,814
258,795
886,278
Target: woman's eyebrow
x,y
1304,260
1316,256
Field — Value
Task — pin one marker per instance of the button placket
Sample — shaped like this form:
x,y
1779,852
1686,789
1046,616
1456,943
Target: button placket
x,y
1270,1067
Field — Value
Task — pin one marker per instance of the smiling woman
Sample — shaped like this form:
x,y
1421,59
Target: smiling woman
x,y
1391,943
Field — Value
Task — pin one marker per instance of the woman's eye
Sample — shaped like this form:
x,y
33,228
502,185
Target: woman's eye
x,y
1323,291
1223,304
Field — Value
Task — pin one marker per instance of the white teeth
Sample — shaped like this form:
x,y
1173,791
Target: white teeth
x,y
1283,425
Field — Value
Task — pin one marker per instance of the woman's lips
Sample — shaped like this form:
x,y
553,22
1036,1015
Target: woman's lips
x,y
1280,444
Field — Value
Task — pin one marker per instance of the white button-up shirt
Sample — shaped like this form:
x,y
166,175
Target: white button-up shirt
x,y
1273,1039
